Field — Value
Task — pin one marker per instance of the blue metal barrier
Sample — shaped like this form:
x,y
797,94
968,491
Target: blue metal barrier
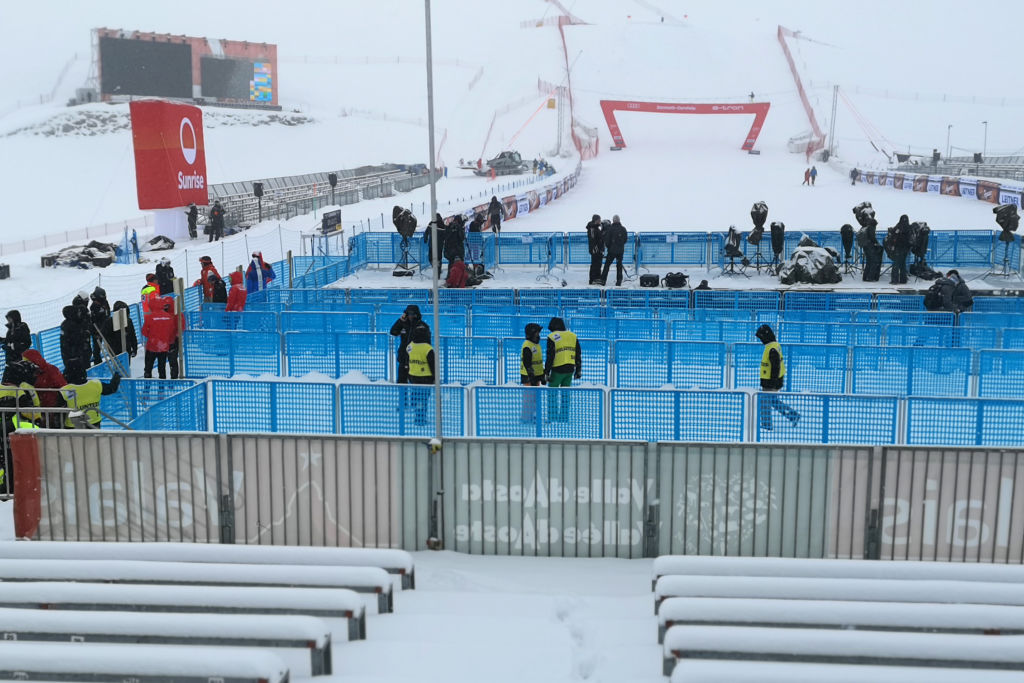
x,y
420,297
1013,338
225,353
528,248
541,412
822,418
737,299
653,415
452,324
992,319
900,302
257,406
399,410
49,346
998,304
903,318
913,370
935,335
818,368
648,298
673,249
818,316
465,360
136,396
478,297
970,248
596,359
391,312
616,328
1001,375
964,422
253,321
827,301
560,298
848,334
715,331
193,299
105,371
686,365
335,354
508,325
185,411
319,321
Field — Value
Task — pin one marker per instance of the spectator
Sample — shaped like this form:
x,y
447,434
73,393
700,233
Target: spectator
x,y
495,213
703,285
455,239
215,227
10,421
193,218
595,244
531,370
204,277
814,173
220,291
773,376
165,277
150,291
237,295
475,243
18,337
113,337
83,394
420,356
563,362
807,177
949,293
403,328
48,381
99,319
615,238
75,344
853,175
19,380
161,333
428,236
897,247
259,274
872,251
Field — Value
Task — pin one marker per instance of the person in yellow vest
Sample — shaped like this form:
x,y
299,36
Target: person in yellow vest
x,y
10,421
83,394
421,369
773,378
563,362
531,370
149,293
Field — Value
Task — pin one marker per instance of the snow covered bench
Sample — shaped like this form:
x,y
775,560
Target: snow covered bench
x,y
827,646
878,616
281,631
143,663
335,603
359,579
871,590
716,671
668,565
393,561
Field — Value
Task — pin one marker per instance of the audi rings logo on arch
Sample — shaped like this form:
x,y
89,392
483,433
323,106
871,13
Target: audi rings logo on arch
x,y
189,142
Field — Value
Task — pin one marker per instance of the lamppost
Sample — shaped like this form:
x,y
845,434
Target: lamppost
x,y
984,145
948,129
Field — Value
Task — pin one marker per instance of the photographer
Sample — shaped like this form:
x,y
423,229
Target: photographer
x,y
428,237
403,328
595,244
615,238
897,247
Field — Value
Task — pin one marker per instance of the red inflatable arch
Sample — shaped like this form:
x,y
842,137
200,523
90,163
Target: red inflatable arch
x,y
758,109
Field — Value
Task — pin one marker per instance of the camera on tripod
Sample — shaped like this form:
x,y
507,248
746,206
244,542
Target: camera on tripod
x,y
1008,220
758,214
405,224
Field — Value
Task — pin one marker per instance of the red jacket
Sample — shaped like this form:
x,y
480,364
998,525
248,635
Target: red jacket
x,y
49,377
237,295
160,328
204,280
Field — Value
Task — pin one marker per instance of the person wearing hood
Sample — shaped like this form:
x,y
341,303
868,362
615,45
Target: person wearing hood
x,y
421,369
531,370
773,378
216,225
403,328
84,394
193,218
99,320
455,239
897,247
204,277
165,277
495,213
49,380
113,337
150,292
428,236
595,245
18,337
259,274
161,332
563,362
75,341
238,294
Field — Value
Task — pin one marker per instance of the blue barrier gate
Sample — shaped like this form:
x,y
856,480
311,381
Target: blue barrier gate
x,y
256,406
906,371
817,368
596,359
964,422
1001,375
542,412
821,418
687,365
184,411
399,410
226,353
464,360
653,415
335,354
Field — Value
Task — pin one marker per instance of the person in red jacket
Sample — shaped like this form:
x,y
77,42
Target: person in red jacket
x,y
204,277
161,333
49,377
237,295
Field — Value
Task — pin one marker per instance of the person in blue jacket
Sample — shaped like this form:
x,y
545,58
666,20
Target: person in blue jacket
x,y
259,273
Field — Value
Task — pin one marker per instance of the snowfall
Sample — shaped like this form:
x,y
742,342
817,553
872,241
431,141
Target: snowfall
x,y
352,80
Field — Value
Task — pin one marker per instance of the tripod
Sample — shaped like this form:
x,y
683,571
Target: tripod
x,y
731,268
760,262
1007,270
852,265
402,268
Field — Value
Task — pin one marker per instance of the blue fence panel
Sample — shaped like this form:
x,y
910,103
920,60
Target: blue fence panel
x,y
526,248
618,328
399,410
225,353
105,370
900,302
185,411
827,301
335,354
253,321
992,319
596,359
738,299
903,318
254,406
964,422
818,368
652,415
508,325
539,412
421,297
1001,374
193,298
485,297
825,418
847,334
673,249
968,248
998,304
911,371
465,360
319,321
49,345
1013,338
933,335
818,316
686,365
135,396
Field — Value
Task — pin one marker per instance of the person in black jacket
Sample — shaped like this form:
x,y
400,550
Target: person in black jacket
x,y
165,277
615,238
216,221
75,344
403,328
496,212
193,218
113,337
455,239
595,244
897,247
773,378
18,338
428,236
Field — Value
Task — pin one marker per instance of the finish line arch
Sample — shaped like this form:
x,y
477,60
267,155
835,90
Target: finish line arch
x,y
758,109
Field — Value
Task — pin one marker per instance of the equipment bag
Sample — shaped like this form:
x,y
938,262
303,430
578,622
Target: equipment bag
x,y
648,280
675,280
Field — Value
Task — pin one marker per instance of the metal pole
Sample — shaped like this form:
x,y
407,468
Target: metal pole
x,y
984,145
832,122
948,129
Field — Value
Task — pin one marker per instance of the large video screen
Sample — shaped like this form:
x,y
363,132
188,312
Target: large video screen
x,y
236,79
145,67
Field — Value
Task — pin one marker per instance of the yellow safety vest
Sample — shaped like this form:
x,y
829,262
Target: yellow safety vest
x,y
84,397
16,392
565,348
418,365
536,360
766,366
21,424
